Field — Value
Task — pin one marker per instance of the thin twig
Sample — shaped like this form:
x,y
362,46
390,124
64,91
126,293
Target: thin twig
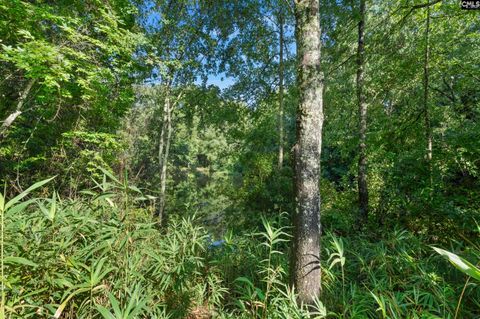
x,y
461,297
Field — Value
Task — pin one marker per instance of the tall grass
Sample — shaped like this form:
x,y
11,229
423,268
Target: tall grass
x,y
79,258
397,277
104,256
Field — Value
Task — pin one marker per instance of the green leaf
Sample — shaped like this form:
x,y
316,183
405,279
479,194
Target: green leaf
x,y
460,263
19,197
53,207
115,305
104,312
110,175
260,294
135,189
2,202
59,311
245,280
20,207
87,192
20,261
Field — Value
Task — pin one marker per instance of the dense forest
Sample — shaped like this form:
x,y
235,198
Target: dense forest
x,y
240,159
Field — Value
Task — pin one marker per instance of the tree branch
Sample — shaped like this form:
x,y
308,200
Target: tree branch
x,y
423,5
18,110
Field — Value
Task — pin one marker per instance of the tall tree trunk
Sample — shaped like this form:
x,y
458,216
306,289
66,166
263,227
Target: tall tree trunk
x,y
164,149
362,119
18,110
306,273
281,130
428,129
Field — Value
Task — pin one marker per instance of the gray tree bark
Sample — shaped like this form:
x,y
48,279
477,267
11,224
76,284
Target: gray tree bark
x,y
362,119
281,130
163,151
164,148
18,110
428,129
306,273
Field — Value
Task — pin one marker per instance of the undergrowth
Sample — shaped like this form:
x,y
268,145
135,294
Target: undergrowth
x,y
103,255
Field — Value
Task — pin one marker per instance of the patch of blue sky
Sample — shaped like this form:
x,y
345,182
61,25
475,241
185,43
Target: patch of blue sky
x,y
222,81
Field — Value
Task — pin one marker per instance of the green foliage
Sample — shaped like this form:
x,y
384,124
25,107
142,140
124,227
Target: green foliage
x,y
86,245
86,254
134,308
396,277
80,154
72,63
460,263
100,255
92,263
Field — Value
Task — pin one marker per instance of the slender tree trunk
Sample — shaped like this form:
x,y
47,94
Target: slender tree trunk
x,y
428,129
162,136
306,273
18,110
281,130
362,119
164,148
